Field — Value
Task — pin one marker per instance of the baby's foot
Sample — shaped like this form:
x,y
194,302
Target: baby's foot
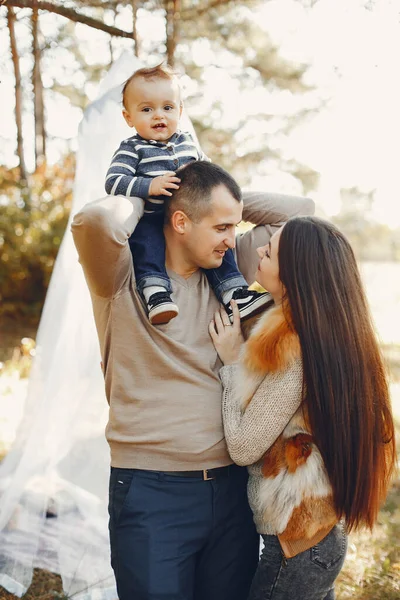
x,y
161,308
249,303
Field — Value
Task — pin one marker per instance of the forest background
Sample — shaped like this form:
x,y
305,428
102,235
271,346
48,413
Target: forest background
x,y
293,96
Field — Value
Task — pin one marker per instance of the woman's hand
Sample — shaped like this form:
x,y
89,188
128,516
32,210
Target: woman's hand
x,y
227,338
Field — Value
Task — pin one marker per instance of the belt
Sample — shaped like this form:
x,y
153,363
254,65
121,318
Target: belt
x,y
205,474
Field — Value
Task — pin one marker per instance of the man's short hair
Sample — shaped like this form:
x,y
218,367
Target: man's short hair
x,y
161,71
198,179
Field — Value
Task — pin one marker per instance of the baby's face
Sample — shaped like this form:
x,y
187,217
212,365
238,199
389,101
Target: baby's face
x,y
153,108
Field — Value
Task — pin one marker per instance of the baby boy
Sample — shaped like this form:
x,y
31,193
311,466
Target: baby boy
x,y
144,166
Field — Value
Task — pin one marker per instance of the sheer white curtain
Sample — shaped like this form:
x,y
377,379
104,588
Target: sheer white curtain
x,y
53,483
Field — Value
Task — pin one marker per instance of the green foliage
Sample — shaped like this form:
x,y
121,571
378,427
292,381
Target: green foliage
x,y
32,224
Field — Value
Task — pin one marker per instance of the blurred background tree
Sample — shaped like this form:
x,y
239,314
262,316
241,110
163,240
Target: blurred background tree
x,y
36,200
30,235
225,52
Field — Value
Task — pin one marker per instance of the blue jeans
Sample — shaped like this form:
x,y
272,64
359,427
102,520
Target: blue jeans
x,y
308,576
181,538
147,245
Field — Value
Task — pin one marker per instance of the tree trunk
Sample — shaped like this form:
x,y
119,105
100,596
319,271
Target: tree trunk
x,y
172,34
110,41
134,4
40,134
18,93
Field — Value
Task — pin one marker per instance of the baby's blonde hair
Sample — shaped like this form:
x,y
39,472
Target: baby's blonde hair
x,y
161,71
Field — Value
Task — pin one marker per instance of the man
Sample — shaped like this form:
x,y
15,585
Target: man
x,y
180,525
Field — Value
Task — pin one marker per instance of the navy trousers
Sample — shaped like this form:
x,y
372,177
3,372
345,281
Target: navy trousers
x,y
178,538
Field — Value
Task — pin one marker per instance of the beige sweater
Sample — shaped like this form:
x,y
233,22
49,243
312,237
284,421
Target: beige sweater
x,y
162,382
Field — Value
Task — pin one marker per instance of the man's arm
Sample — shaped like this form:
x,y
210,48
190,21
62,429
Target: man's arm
x,y
101,231
268,212
274,209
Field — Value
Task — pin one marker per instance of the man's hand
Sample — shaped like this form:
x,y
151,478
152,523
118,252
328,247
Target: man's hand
x,y
227,338
161,184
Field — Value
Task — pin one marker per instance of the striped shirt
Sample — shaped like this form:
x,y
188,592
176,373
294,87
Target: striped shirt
x,y
137,161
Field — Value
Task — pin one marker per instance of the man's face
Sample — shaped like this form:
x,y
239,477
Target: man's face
x,y
153,107
206,242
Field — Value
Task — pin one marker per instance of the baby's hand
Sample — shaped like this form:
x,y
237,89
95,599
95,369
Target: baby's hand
x,y
161,184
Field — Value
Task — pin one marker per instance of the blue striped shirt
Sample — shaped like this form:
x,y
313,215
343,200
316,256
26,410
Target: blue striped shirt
x,y
137,161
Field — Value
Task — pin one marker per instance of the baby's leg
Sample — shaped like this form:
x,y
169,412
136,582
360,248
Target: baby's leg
x,y
147,245
229,284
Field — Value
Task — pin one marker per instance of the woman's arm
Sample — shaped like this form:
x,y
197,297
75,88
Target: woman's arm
x,y
250,434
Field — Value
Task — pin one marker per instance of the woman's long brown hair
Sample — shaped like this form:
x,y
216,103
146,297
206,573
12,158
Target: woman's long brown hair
x,y
345,384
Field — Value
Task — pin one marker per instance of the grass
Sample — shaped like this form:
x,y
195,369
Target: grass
x,y
372,567
44,586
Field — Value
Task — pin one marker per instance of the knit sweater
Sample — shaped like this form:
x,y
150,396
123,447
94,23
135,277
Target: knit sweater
x,y
137,161
162,382
267,429
249,434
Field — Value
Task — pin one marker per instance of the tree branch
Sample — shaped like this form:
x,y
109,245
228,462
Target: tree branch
x,y
70,14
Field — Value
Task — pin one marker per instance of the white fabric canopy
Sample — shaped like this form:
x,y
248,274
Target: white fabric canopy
x,y
53,483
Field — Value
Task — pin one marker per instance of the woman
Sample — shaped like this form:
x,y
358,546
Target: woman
x,y
307,409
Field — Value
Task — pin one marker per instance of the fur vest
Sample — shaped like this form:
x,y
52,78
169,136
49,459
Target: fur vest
x,y
295,495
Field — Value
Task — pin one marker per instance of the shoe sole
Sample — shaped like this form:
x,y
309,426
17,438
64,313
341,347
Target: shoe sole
x,y
161,316
253,309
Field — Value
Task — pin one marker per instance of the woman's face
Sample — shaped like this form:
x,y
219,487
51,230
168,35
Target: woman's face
x,y
267,273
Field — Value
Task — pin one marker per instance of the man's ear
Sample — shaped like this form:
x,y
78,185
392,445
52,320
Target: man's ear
x,y
180,110
127,117
180,222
